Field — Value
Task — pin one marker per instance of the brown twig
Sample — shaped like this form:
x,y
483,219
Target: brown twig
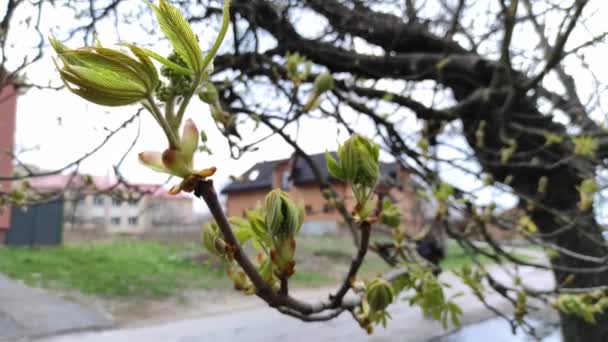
x,y
354,265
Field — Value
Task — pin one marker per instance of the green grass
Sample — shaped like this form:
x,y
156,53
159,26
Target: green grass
x,y
142,269
113,269
146,269
456,257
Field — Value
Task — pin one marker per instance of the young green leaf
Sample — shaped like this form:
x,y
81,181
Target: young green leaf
x,y
180,34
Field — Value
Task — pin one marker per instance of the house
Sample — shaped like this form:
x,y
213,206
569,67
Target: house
x,y
102,204
8,106
295,176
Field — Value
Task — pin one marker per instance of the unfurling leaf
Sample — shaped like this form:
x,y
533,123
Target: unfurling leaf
x,y
527,225
391,214
105,76
180,34
585,146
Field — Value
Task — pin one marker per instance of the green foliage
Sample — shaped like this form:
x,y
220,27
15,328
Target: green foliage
x,y
113,78
323,83
379,294
472,278
271,231
585,306
179,162
507,153
212,240
389,97
552,253
180,34
358,165
442,193
542,184
423,144
391,214
179,84
298,68
527,225
283,218
585,146
113,269
480,134
488,179
209,95
520,306
105,76
587,190
552,139
429,295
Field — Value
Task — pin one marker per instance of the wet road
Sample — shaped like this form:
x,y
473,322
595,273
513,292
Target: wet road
x,y
265,324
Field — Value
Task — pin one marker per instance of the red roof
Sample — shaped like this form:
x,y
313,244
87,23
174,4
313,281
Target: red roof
x,y
63,181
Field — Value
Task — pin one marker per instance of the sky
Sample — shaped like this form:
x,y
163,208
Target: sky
x,y
56,127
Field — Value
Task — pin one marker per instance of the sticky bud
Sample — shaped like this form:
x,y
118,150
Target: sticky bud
x,y
189,141
391,214
175,162
323,83
212,240
209,94
283,218
359,165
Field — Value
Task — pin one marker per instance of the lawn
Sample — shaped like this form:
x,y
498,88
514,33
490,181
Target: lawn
x,y
111,269
145,269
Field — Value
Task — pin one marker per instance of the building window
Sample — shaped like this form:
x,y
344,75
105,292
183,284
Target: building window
x,y
285,186
133,203
116,202
328,208
80,201
99,220
133,220
308,209
98,200
115,220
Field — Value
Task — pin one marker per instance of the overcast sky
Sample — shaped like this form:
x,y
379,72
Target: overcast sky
x,y
56,127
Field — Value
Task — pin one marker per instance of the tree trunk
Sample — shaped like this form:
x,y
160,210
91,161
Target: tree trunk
x,y
561,196
584,238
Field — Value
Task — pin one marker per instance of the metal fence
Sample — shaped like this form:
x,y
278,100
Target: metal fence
x,y
36,225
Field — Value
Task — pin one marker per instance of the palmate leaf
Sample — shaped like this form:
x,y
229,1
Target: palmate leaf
x,y
104,80
103,98
242,229
208,61
258,226
333,167
100,88
143,67
178,31
146,63
111,63
60,48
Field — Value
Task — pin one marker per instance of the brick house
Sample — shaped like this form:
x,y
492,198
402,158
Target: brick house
x,y
8,107
103,205
296,177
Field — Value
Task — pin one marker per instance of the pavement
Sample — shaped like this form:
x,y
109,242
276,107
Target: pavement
x,y
27,313
265,324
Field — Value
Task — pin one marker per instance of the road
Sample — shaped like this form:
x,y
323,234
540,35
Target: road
x,y
265,324
27,312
